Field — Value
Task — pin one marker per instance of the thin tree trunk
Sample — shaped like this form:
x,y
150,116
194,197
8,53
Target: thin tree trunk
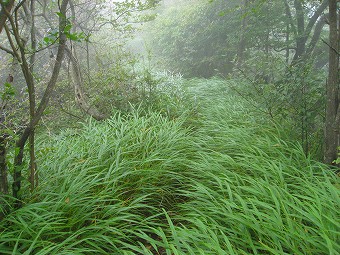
x,y
242,43
287,44
3,176
33,167
3,166
301,37
88,61
332,89
81,99
316,35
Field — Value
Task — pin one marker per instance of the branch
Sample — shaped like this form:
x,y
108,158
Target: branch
x,y
9,37
330,46
69,113
15,30
56,69
282,49
5,8
7,50
299,18
315,17
289,15
81,99
316,35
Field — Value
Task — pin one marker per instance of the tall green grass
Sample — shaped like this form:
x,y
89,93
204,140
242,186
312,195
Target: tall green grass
x,y
231,184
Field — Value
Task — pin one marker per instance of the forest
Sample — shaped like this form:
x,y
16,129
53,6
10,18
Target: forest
x,y
169,127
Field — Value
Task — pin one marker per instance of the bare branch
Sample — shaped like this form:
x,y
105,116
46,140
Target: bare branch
x,y
7,50
315,17
5,8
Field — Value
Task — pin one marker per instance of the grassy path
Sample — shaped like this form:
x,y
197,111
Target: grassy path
x,y
228,184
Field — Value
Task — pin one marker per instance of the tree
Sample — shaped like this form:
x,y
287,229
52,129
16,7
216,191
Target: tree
x,y
243,43
332,122
19,50
306,25
206,36
36,31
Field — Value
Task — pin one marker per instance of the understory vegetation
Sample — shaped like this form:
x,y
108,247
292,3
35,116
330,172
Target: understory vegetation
x,y
217,177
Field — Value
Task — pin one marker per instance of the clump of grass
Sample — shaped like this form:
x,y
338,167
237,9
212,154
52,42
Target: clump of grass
x,y
101,186
149,185
259,195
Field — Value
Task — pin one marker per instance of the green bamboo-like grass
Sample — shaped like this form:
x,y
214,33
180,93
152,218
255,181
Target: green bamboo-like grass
x,y
228,183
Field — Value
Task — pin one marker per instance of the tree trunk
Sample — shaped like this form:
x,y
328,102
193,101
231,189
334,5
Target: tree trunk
x,y
3,166
16,185
33,166
332,138
301,36
242,43
81,99
287,44
3,176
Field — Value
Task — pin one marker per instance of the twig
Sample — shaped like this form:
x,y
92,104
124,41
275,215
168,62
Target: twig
x,y
336,51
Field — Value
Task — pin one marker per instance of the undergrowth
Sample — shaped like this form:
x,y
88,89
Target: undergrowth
x,y
231,183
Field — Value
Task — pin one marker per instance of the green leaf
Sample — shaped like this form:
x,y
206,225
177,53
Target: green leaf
x,y
16,151
61,15
47,40
67,28
72,37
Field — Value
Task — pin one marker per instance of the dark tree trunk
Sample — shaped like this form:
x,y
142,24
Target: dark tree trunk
x,y
16,185
33,175
3,166
332,137
301,36
242,43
